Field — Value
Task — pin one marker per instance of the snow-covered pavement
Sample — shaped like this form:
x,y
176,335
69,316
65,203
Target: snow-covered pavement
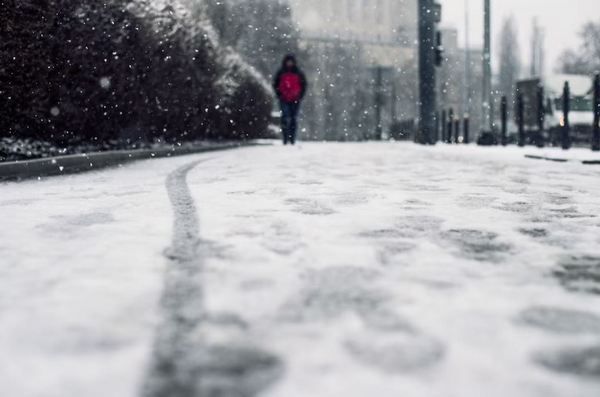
x,y
322,270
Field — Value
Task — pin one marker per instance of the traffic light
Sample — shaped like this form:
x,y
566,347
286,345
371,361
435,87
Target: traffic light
x,y
439,50
437,12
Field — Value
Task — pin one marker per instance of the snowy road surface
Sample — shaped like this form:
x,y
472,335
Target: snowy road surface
x,y
325,270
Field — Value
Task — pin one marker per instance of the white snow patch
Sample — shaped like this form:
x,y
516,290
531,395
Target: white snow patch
x,y
370,269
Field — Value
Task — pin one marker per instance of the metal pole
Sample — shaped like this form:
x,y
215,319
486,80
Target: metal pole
x,y
487,69
596,127
466,124
467,71
427,87
504,114
566,139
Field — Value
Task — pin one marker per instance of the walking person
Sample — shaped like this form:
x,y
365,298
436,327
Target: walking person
x,y
290,87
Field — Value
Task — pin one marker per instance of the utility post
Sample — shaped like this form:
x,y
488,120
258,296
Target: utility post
x,y
596,127
381,74
467,71
487,133
429,14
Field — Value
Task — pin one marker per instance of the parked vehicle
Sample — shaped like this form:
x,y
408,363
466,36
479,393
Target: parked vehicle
x,y
549,95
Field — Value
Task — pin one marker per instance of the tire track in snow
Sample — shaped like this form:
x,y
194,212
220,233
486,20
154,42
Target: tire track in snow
x,y
184,362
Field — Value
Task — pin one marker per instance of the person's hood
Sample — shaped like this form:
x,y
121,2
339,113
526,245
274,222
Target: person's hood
x,y
289,57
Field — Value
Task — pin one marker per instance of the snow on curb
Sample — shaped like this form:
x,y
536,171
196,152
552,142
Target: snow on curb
x,y
38,168
562,159
534,157
575,155
558,155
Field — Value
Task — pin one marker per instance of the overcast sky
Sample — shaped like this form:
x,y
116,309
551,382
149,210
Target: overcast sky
x,y
562,20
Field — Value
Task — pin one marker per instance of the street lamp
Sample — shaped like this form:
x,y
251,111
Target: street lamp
x,y
379,99
429,15
487,135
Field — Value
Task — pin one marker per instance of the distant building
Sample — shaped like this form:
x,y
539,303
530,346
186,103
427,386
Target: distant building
x,y
363,55
460,88
387,29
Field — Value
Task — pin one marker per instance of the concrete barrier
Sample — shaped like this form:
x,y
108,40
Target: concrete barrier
x,y
71,164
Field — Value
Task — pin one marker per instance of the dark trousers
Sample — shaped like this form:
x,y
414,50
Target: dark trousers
x,y
289,125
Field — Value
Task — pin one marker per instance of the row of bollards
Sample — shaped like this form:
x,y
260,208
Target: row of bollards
x,y
450,127
537,138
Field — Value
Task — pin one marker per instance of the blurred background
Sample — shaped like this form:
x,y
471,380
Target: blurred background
x,y
83,76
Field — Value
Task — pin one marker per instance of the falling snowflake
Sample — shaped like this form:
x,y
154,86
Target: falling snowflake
x,y
105,83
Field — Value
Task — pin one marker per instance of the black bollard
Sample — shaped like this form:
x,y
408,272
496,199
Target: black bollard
x,y
541,115
596,127
450,126
457,130
466,122
566,128
437,127
504,116
443,125
521,119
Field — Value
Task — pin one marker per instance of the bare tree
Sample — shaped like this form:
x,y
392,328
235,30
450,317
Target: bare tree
x,y
510,62
262,31
537,50
586,60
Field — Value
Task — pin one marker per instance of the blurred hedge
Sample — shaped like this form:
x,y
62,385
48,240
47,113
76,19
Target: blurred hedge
x,y
73,71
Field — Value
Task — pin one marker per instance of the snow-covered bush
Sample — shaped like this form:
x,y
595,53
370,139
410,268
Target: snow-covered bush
x,y
262,31
24,65
246,101
74,71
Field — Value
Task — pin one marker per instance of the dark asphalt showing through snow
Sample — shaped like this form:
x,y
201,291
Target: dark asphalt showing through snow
x,y
184,364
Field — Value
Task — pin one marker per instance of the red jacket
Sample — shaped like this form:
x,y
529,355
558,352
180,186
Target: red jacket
x,y
290,84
